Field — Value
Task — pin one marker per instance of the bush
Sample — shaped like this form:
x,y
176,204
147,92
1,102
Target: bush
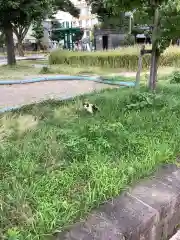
x,y
129,40
175,77
45,70
141,100
126,58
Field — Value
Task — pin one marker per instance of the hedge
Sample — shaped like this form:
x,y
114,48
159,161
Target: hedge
x,y
122,58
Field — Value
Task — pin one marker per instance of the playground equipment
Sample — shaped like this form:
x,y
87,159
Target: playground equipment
x,y
68,32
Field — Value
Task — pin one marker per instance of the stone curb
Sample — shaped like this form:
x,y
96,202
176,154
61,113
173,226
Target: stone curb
x,y
149,211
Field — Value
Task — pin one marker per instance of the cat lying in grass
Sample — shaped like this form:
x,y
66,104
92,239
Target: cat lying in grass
x,y
91,108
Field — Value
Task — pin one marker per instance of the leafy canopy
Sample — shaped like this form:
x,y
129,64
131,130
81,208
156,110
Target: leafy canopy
x,y
56,35
107,18
168,22
37,30
25,11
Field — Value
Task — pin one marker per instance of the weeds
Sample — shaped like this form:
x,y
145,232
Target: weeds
x,y
175,77
45,70
55,173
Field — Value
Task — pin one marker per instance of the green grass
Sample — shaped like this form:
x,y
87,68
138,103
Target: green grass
x,y
26,70
126,58
20,71
58,162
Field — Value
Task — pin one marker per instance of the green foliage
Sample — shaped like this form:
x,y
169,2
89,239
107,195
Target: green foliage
x,y
26,11
45,70
77,35
13,234
107,18
66,6
168,22
37,30
23,12
175,77
18,16
69,162
139,101
137,30
126,58
129,40
56,35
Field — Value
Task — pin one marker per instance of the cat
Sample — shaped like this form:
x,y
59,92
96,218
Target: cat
x,y
91,108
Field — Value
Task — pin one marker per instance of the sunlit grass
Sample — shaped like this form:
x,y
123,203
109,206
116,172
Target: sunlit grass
x,y
26,70
17,72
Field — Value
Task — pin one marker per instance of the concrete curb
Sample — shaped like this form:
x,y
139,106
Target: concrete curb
x,y
149,211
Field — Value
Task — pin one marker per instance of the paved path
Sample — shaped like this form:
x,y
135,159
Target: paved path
x,y
13,95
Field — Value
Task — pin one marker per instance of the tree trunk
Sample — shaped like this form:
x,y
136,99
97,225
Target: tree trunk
x,y
38,46
153,69
155,53
11,59
139,70
20,48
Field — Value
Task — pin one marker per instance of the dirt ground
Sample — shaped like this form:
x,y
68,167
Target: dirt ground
x,y
13,95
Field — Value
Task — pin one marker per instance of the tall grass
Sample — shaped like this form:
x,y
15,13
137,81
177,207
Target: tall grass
x,y
64,162
126,58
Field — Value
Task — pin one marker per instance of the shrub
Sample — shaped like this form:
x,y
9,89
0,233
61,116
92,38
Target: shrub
x,y
175,77
138,101
126,58
45,70
141,100
129,40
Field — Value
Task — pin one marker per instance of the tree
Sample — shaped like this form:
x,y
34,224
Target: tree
x,y
107,18
38,33
20,14
165,16
56,35
21,29
77,36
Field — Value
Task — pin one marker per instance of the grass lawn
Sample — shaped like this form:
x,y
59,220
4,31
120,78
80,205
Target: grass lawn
x,y
20,71
26,69
58,162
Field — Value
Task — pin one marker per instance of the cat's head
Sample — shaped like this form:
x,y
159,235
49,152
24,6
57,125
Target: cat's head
x,y
85,104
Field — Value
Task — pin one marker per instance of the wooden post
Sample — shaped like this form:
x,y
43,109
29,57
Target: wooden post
x,y
138,74
155,53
